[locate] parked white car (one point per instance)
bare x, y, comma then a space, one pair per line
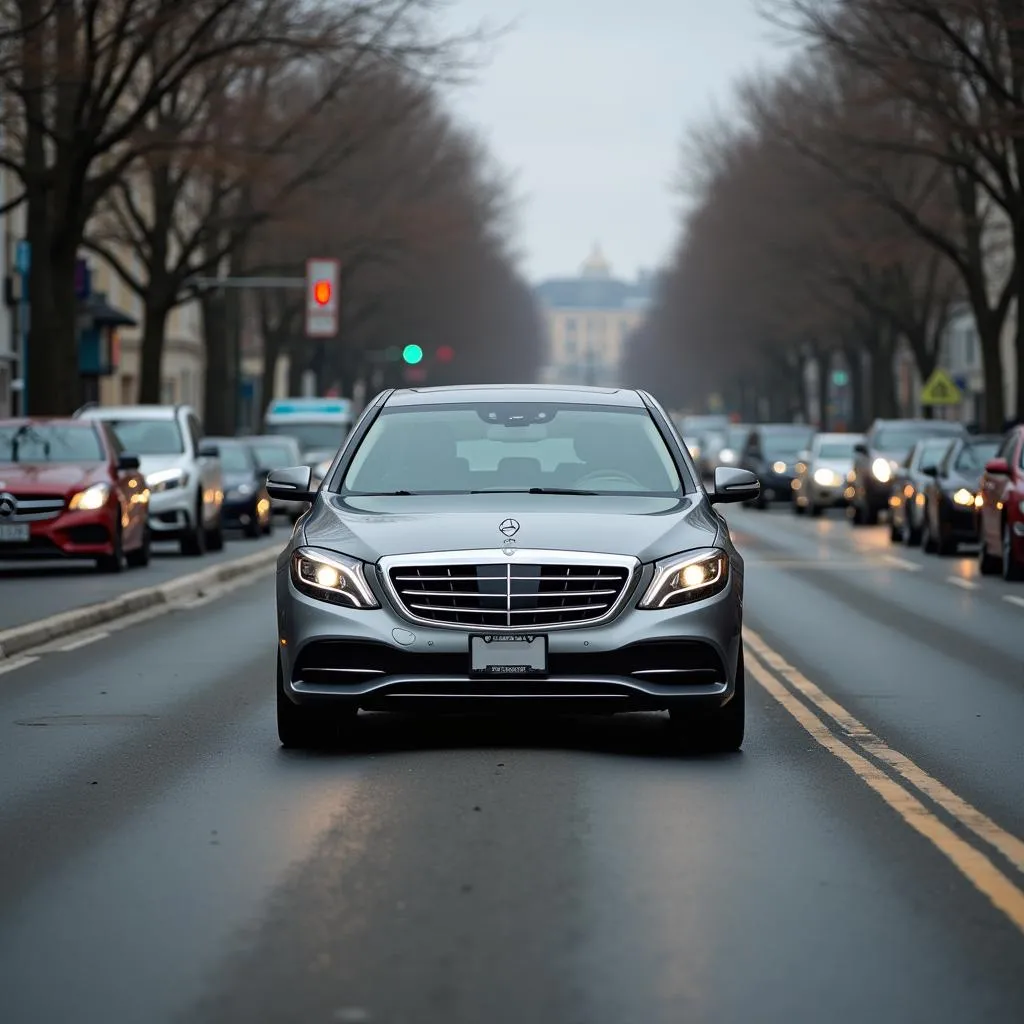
182, 472
821, 474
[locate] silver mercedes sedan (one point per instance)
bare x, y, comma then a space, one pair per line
511, 547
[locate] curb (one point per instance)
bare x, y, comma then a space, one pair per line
33, 634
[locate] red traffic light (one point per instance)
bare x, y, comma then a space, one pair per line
445, 354
322, 292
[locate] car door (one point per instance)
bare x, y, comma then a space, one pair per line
210, 473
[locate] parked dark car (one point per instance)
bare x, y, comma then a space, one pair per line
952, 495
887, 444
771, 453
911, 477
246, 502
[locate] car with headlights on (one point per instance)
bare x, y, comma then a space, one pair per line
246, 504
182, 471
821, 472
511, 547
1001, 512
886, 444
278, 451
952, 494
907, 498
69, 490
771, 453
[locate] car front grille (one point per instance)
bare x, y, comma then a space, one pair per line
30, 508
513, 594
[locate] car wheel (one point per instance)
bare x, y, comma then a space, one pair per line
798, 509
943, 545
911, 533
1012, 569
215, 537
870, 516
988, 565
719, 732
929, 544
139, 558
194, 542
815, 511
308, 728
896, 532
114, 562
253, 529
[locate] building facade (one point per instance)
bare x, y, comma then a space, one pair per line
588, 320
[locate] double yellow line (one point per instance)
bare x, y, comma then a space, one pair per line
855, 745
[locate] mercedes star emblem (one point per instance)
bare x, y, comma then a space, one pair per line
7, 505
509, 527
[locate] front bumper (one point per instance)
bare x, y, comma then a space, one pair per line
777, 486
957, 522
172, 513
239, 512
71, 535
378, 660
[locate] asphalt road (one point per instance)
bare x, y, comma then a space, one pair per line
164, 860
35, 590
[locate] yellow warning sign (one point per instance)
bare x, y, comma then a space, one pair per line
941, 390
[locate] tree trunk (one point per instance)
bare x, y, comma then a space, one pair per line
883, 378
154, 333
994, 404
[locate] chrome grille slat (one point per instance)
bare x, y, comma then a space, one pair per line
35, 508
546, 589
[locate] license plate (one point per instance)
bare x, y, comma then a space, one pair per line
508, 655
12, 533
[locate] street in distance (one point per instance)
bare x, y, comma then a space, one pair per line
526, 547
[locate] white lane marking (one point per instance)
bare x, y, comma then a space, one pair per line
958, 581
902, 563
15, 663
75, 644
1014, 599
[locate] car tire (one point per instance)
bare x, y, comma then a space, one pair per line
718, 732
943, 545
856, 515
114, 562
305, 728
911, 533
139, 558
1013, 571
798, 509
254, 529
193, 543
215, 537
816, 511
988, 565
896, 533
929, 544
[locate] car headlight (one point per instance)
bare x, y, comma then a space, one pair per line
963, 497
328, 576
727, 456
827, 478
778, 467
167, 479
881, 469
691, 576
91, 498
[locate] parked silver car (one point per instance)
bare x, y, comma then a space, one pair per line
821, 474
483, 547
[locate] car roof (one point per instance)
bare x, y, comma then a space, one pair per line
132, 412
469, 393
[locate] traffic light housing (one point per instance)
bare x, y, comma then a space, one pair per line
322, 298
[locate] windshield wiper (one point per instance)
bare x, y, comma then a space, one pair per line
535, 490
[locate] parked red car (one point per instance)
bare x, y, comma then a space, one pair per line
67, 489
1001, 522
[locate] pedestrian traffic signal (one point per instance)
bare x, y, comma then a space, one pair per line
445, 354
412, 354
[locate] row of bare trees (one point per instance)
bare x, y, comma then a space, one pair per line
184, 140
856, 202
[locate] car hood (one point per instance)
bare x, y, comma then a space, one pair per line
154, 463
649, 528
49, 477
840, 466
237, 479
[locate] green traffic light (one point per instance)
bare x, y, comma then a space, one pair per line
412, 354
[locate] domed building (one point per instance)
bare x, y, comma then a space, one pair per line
588, 320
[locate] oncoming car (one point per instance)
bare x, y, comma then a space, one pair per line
501, 547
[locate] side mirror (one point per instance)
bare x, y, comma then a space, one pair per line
128, 464
860, 449
732, 485
293, 484
208, 450
997, 467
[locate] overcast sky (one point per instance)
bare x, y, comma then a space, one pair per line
587, 102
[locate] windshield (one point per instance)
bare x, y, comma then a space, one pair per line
235, 458
931, 451
274, 456
312, 436
972, 457
31, 443
837, 449
149, 437
737, 437
787, 442
513, 446
902, 439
